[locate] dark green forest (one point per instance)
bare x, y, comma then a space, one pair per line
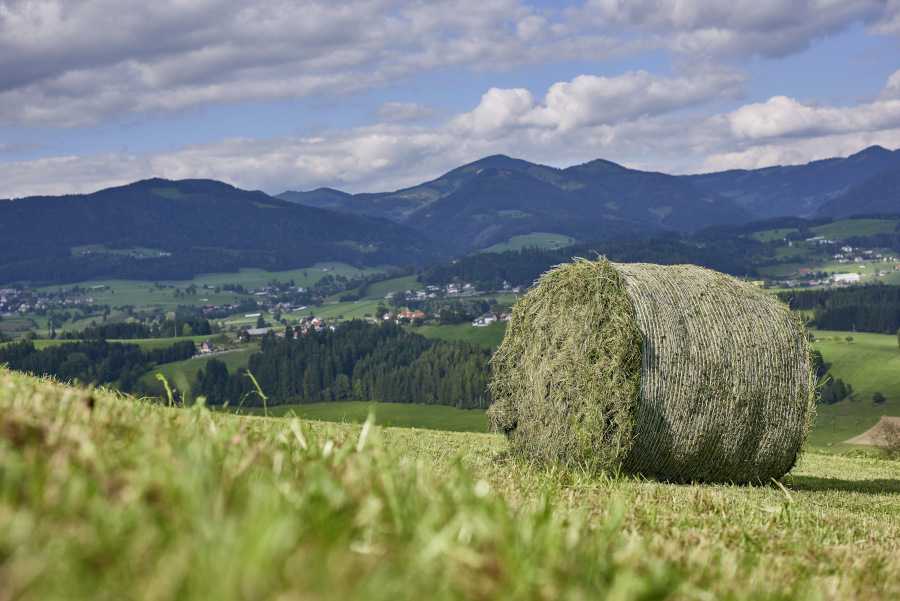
136, 330
488, 271
92, 361
207, 227
862, 309
359, 361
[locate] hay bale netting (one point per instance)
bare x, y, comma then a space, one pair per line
674, 372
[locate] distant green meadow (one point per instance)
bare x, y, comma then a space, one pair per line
870, 362
535, 239
181, 374
401, 415
488, 336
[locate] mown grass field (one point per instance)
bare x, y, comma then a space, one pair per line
103, 497
844, 420
430, 417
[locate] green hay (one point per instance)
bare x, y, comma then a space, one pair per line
567, 375
674, 372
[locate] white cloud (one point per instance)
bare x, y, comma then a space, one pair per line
769, 28
392, 112
786, 117
74, 64
571, 123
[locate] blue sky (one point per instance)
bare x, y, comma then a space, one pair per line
375, 95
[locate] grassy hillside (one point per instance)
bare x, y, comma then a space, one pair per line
105, 497
489, 336
871, 362
536, 239
205, 226
181, 373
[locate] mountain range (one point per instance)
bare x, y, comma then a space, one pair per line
205, 225
495, 198
211, 226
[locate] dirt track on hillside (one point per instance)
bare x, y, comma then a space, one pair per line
873, 435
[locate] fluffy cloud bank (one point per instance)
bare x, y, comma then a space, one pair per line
75, 64
576, 120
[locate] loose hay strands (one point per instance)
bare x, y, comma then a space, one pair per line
673, 372
567, 375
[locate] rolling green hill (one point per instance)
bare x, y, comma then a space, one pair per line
496, 198
204, 226
877, 195
592, 201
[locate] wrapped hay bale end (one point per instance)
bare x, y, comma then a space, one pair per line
674, 372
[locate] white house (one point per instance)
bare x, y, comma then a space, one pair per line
846, 278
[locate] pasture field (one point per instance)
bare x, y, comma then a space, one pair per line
844, 420
180, 374
379, 290
777, 234
855, 227
99, 248
400, 415
144, 342
488, 336
870, 362
535, 239
105, 497
142, 294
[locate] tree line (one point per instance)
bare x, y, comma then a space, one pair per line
359, 361
488, 271
169, 328
93, 361
862, 309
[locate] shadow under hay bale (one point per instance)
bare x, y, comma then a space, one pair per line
674, 372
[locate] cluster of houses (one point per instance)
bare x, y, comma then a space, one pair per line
13, 301
490, 318
304, 325
453, 289
404, 316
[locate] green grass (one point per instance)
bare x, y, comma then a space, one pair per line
181, 373
777, 234
99, 248
430, 417
144, 342
379, 290
871, 362
142, 294
489, 336
538, 239
855, 227
846, 419
103, 497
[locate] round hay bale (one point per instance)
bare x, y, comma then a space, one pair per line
673, 372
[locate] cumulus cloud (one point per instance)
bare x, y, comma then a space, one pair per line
73, 64
389, 156
68, 64
588, 101
786, 117
391, 112
769, 28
